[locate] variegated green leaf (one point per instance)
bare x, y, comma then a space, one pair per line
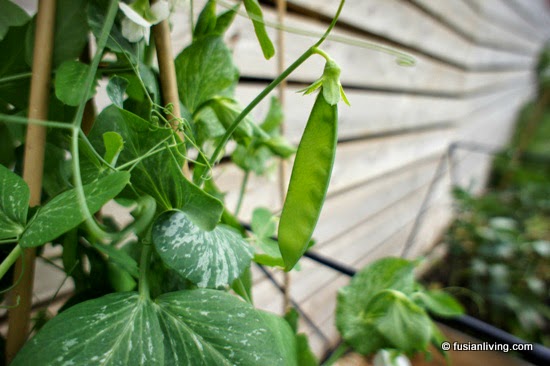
207, 258
63, 212
194, 328
14, 203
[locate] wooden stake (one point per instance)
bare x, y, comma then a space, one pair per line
167, 72
283, 173
33, 167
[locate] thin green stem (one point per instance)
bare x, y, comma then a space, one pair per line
322, 53
9, 241
105, 31
241, 192
242, 291
143, 267
7, 79
25, 121
101, 43
191, 17
336, 355
10, 260
331, 26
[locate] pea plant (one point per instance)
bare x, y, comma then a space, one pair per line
156, 291
385, 311
173, 286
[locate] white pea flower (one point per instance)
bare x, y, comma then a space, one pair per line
140, 17
390, 358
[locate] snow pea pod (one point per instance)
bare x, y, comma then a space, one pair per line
309, 181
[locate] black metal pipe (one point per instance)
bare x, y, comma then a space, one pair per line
540, 355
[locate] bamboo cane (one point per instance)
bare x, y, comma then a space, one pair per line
33, 166
167, 73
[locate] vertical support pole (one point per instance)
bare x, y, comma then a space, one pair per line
167, 72
33, 167
283, 169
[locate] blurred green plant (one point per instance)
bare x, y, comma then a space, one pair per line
499, 244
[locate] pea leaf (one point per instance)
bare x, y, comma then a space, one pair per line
113, 146
159, 174
71, 32
439, 302
263, 223
399, 321
12, 62
115, 90
263, 226
69, 82
200, 327
63, 212
119, 257
387, 273
14, 203
274, 117
255, 13
304, 354
207, 258
11, 16
226, 111
204, 69
225, 19
206, 23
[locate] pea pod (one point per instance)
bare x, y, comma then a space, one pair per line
309, 181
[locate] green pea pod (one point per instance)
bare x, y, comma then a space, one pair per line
309, 181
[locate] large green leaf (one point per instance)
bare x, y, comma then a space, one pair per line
71, 32
387, 273
208, 258
11, 15
14, 203
70, 79
63, 212
195, 328
159, 174
204, 69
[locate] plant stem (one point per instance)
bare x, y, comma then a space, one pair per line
242, 291
10, 260
143, 266
269, 88
33, 168
283, 168
88, 118
336, 355
77, 121
242, 191
33, 121
7, 79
